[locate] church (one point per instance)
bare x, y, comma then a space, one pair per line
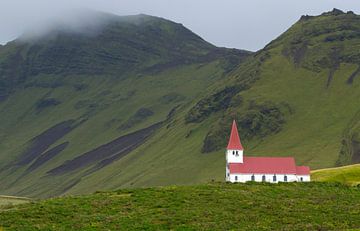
240, 168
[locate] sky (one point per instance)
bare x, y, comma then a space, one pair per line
242, 24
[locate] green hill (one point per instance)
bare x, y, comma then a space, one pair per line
298, 206
347, 175
142, 101
74, 103
301, 101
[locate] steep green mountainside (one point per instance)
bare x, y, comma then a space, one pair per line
289, 100
290, 206
285, 105
299, 96
73, 103
82, 112
117, 46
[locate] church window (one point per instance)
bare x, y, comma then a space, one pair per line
263, 178
252, 178
274, 178
236, 178
237, 153
285, 178
301, 179
233, 152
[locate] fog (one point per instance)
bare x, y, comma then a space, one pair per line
81, 21
243, 24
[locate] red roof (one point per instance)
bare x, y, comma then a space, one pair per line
265, 165
234, 141
302, 170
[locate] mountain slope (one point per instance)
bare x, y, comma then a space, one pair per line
72, 103
302, 98
284, 107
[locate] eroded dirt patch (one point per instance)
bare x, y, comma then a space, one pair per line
42, 142
356, 151
107, 153
47, 156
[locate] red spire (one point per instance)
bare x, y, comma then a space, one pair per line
234, 141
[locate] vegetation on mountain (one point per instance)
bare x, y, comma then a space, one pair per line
73, 103
255, 121
306, 74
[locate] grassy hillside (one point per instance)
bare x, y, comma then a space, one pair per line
323, 73
143, 101
347, 175
296, 206
72, 103
284, 107
296, 97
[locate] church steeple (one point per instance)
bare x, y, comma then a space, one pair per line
234, 150
234, 141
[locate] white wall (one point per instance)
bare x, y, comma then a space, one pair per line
306, 178
268, 178
233, 158
227, 173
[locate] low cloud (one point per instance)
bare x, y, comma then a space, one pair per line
86, 22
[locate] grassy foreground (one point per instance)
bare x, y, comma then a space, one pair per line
347, 175
307, 206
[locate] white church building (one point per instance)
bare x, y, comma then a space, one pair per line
240, 168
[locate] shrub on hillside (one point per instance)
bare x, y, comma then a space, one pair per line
171, 98
259, 120
139, 116
45, 103
213, 103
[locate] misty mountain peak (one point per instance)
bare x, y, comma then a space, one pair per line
81, 22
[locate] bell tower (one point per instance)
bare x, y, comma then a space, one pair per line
234, 150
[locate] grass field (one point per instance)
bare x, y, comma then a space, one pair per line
216, 206
348, 174
9, 201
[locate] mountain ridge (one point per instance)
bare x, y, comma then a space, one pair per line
69, 109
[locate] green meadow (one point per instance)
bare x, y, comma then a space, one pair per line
215, 206
347, 175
